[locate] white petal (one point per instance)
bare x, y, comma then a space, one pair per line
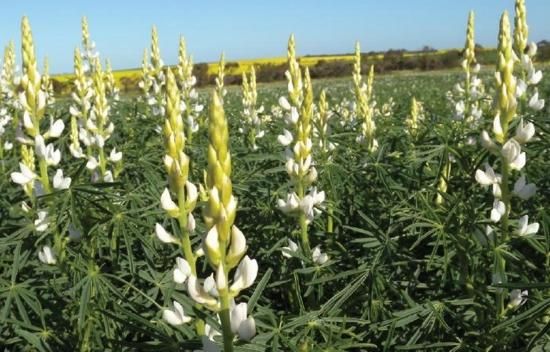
245, 274
247, 329
238, 315
283, 102
164, 235
56, 129
167, 204
286, 138
182, 270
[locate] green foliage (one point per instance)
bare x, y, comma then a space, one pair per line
403, 274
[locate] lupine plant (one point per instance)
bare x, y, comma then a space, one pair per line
189, 96
364, 103
511, 159
303, 200
37, 155
253, 127
415, 255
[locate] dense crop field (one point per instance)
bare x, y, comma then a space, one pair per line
362, 213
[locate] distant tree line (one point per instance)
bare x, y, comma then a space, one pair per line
392, 60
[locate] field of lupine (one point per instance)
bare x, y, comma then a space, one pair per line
401, 212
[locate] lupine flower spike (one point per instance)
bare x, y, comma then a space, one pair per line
507, 147
303, 200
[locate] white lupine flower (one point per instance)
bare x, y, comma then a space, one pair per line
511, 151
517, 298
60, 182
524, 133
497, 191
192, 194
48, 153
310, 201
487, 177
240, 324
459, 110
533, 76
291, 204
238, 243
182, 270
191, 223
476, 113
286, 138
175, 316
108, 177
115, 156
199, 294
487, 142
92, 163
524, 228
291, 248
245, 274
293, 116
8, 145
25, 176
210, 284
283, 102
521, 88
164, 235
76, 151
73, 110
319, 257
312, 175
56, 129
27, 121
47, 256
41, 224
221, 280
211, 242
535, 103
499, 208
168, 204
524, 190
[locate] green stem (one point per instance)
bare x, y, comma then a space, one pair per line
188, 250
2, 166
226, 322
185, 238
44, 176
304, 236
225, 302
102, 163
500, 264
330, 220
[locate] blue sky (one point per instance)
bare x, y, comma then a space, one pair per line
251, 29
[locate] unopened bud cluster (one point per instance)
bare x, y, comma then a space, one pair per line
416, 115
364, 103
